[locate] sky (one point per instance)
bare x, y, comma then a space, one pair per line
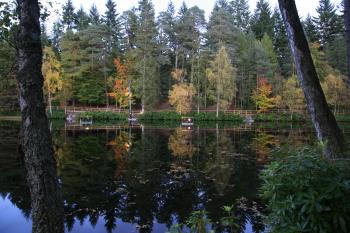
304, 6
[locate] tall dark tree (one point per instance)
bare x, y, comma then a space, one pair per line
262, 21
221, 30
36, 138
82, 19
146, 41
241, 14
310, 29
111, 18
168, 46
189, 27
347, 33
129, 22
281, 46
323, 120
327, 21
94, 16
68, 15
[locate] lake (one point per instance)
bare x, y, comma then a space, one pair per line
147, 178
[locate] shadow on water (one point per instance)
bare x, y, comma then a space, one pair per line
147, 179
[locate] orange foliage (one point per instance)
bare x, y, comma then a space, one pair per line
120, 88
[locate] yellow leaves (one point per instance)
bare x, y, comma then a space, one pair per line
178, 75
51, 71
293, 96
335, 90
180, 143
262, 96
181, 97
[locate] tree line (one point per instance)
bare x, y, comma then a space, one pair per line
238, 59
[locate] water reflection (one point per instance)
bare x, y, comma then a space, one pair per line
148, 180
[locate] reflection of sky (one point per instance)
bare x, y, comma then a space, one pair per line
11, 219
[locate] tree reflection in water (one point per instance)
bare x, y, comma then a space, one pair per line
141, 178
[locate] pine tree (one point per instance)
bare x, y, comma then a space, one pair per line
168, 46
310, 29
190, 23
267, 44
57, 33
82, 20
241, 14
111, 18
129, 20
221, 30
146, 41
281, 46
327, 21
221, 76
68, 15
94, 16
262, 21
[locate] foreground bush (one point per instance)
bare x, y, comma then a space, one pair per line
307, 193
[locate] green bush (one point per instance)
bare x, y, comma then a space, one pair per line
343, 118
307, 193
282, 117
9, 113
202, 116
105, 116
56, 114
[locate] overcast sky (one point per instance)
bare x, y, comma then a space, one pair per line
304, 6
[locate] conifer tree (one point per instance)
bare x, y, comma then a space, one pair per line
310, 30
281, 46
328, 23
111, 18
241, 14
68, 15
262, 21
146, 41
94, 15
82, 20
221, 29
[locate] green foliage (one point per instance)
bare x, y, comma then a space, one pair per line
106, 116
198, 222
281, 117
202, 116
307, 193
57, 115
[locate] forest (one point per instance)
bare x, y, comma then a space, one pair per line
177, 59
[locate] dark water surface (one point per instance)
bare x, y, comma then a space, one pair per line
147, 178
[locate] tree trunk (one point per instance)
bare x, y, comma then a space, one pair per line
46, 202
347, 33
323, 120
143, 84
217, 104
50, 104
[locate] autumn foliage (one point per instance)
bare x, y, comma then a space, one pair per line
120, 89
262, 96
181, 97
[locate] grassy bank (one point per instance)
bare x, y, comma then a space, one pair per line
162, 116
279, 117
